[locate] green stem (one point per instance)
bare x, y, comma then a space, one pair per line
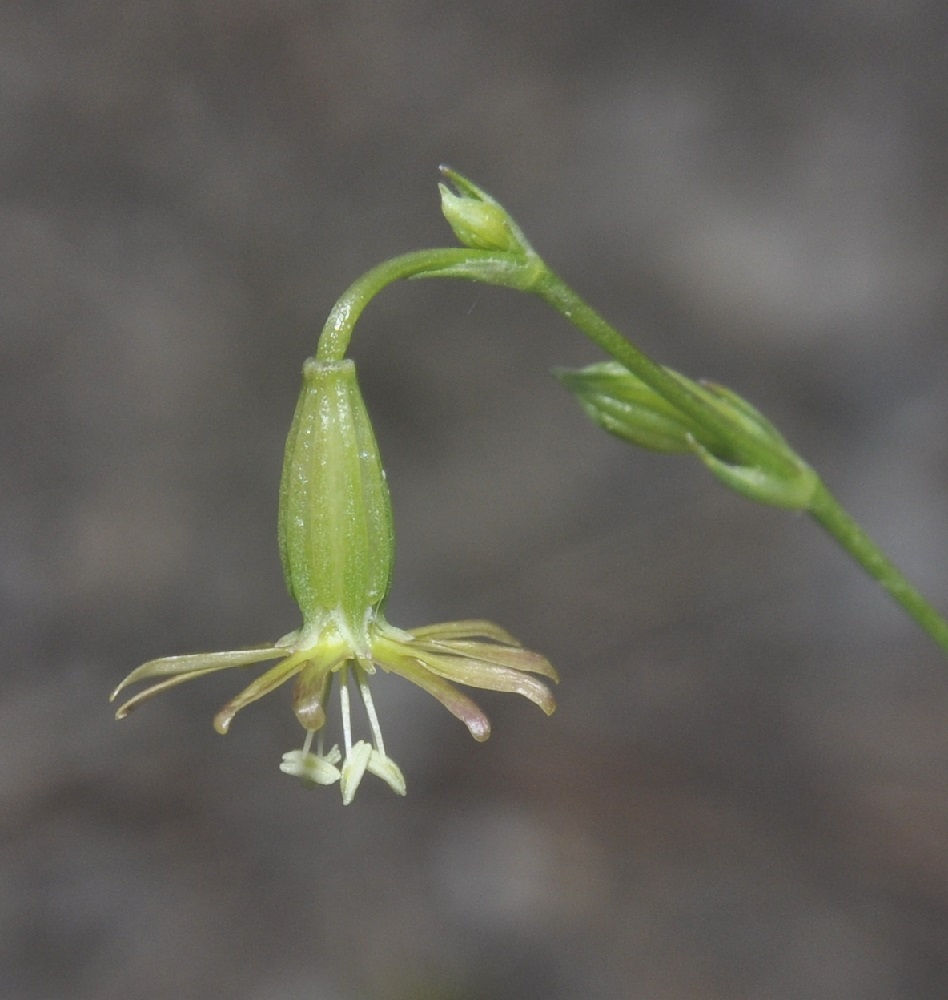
528, 273
826, 510
475, 265
823, 506
556, 293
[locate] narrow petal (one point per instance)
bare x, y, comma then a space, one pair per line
197, 664
264, 684
478, 673
517, 658
312, 691
457, 703
150, 692
472, 629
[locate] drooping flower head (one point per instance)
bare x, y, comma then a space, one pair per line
337, 550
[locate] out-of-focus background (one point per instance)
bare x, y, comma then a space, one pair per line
743, 792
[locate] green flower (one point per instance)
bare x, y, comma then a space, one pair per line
337, 547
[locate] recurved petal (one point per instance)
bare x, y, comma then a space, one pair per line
457, 703
197, 664
150, 692
264, 684
475, 628
515, 657
491, 677
311, 691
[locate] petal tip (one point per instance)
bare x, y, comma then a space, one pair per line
479, 729
222, 720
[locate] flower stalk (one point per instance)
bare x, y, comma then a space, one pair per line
724, 431
335, 522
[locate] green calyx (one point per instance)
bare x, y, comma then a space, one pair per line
478, 220
477, 224
335, 525
623, 404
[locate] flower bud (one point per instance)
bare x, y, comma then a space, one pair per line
477, 224
335, 525
621, 403
625, 406
478, 220
783, 479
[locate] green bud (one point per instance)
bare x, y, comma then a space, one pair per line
750, 420
335, 525
625, 406
788, 482
782, 480
478, 220
477, 224
621, 403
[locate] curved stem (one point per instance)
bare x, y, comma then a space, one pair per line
528, 273
456, 262
826, 510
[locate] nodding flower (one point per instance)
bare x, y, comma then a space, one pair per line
337, 549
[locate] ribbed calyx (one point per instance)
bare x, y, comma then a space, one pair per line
335, 525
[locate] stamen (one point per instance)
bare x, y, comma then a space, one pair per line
370, 709
308, 742
321, 741
344, 701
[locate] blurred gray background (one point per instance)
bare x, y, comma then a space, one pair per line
743, 792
